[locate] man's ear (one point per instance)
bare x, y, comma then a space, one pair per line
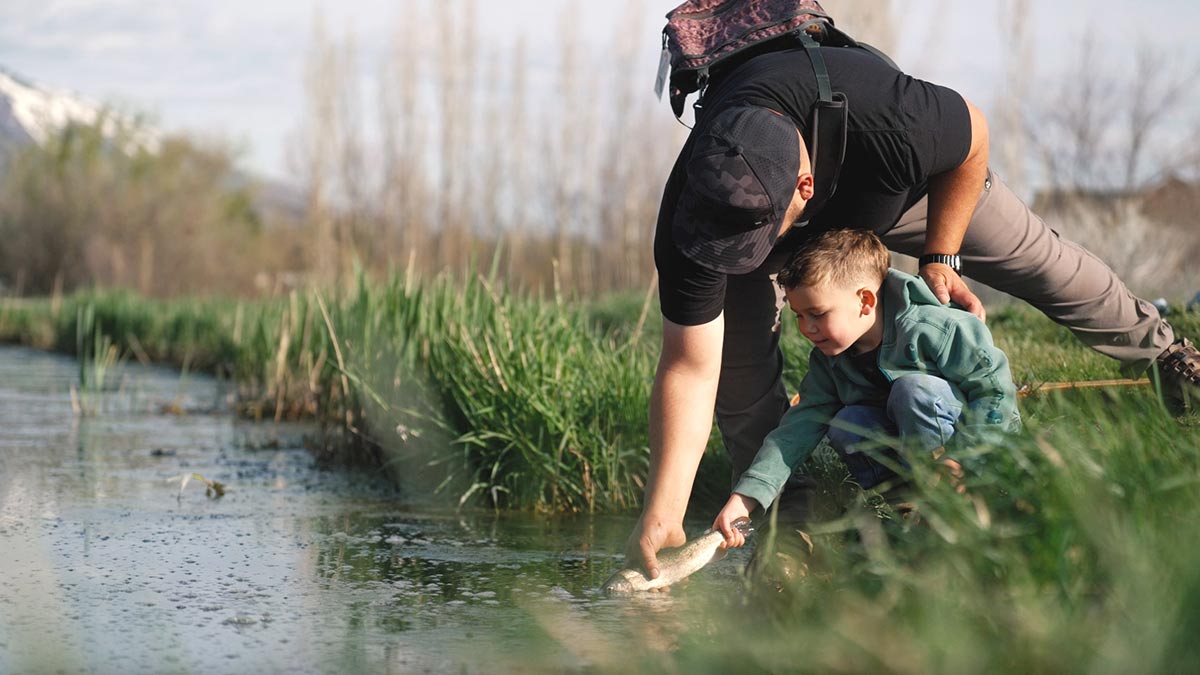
805, 185
869, 300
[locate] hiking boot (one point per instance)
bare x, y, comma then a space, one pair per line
1178, 371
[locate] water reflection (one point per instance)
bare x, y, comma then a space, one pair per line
107, 568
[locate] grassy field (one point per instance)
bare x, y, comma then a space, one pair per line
1069, 551
494, 397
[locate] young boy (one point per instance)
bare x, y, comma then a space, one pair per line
888, 359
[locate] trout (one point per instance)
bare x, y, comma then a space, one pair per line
676, 564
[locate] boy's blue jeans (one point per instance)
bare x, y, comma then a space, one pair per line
921, 412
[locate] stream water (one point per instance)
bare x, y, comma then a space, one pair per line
107, 566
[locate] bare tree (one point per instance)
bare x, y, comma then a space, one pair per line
314, 149
1098, 124
354, 216
516, 133
488, 161
91, 208
404, 192
570, 183
564, 149
1157, 90
1008, 137
1074, 124
450, 119
1096, 130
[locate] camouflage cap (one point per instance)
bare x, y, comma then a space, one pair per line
741, 178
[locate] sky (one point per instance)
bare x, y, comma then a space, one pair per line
234, 69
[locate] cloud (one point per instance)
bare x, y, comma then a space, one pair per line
232, 61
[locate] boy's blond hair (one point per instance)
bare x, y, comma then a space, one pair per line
837, 258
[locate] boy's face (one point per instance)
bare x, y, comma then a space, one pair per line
834, 318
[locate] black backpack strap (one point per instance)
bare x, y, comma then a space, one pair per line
813, 49
827, 130
878, 53
826, 149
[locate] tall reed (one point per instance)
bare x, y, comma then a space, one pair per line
541, 410
492, 395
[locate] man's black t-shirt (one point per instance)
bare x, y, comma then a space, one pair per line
900, 131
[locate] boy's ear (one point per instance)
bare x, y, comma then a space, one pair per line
868, 299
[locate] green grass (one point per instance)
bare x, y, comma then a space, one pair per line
100, 364
537, 407
490, 395
493, 397
1071, 551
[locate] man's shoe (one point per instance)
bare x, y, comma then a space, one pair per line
1178, 371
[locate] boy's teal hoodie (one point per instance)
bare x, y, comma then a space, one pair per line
920, 335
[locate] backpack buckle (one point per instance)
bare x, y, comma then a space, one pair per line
701, 90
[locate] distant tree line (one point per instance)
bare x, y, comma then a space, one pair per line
95, 206
465, 162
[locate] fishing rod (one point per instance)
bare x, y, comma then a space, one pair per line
1031, 389
1044, 387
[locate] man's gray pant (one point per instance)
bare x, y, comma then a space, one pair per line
1007, 247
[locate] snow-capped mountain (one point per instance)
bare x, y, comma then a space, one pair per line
31, 113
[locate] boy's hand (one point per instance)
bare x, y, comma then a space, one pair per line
738, 506
952, 469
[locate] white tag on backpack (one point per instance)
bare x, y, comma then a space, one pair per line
664, 65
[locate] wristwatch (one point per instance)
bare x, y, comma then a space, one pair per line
951, 261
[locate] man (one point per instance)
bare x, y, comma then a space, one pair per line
915, 172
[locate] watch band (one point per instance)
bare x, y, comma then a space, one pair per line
951, 261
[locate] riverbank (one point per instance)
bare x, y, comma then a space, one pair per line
1068, 552
495, 397
488, 395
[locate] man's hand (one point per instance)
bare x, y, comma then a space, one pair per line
681, 414
738, 506
949, 287
952, 199
649, 537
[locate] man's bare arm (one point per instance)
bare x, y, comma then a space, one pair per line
952, 198
681, 413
